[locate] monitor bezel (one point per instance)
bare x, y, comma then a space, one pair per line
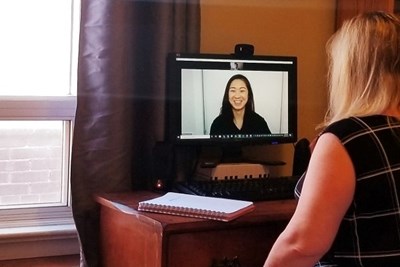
176, 63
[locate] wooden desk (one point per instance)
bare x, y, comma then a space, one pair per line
142, 239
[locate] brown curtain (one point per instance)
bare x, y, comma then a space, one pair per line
121, 92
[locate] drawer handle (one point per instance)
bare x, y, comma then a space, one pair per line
227, 262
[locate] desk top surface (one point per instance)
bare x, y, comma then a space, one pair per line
127, 203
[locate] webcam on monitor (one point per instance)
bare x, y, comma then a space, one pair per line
244, 50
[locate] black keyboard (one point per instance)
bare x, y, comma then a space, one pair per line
251, 189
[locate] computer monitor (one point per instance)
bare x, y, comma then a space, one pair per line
196, 86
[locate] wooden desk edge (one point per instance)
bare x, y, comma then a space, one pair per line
280, 210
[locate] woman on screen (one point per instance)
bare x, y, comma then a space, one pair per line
237, 114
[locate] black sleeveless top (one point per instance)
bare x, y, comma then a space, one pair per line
369, 234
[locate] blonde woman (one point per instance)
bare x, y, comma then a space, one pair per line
350, 199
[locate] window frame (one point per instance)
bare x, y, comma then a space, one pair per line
42, 108
60, 108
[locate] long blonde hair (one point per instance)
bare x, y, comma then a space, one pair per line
364, 66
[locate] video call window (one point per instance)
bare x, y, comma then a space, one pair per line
203, 90
196, 88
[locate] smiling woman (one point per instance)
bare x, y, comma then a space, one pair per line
237, 114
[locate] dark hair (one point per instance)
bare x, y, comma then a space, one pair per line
226, 109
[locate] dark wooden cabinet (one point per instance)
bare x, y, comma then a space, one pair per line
349, 8
133, 238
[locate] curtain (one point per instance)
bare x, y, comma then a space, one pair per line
121, 99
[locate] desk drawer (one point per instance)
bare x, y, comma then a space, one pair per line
204, 248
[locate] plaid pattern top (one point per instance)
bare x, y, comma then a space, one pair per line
369, 234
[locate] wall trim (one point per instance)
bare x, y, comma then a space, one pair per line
41, 241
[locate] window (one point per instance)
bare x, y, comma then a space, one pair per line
38, 67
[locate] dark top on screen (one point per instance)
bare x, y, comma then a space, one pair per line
252, 124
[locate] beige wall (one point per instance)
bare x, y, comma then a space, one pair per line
277, 27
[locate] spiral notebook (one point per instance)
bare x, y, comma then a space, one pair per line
221, 209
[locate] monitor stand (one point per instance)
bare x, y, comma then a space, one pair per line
230, 171
231, 164
234, 154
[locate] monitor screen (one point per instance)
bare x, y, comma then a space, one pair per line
208, 92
